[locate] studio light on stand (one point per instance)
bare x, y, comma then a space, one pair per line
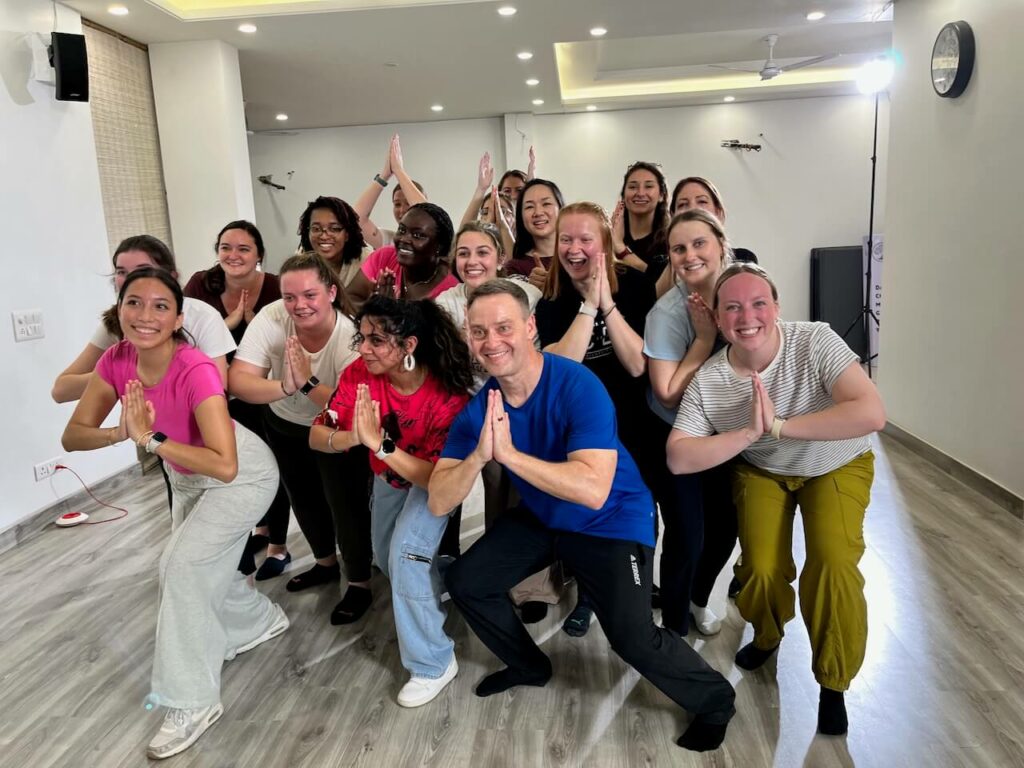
873, 78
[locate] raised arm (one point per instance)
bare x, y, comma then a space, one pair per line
484, 181
412, 192
364, 204
71, 383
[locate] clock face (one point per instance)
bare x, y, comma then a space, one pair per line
952, 59
945, 60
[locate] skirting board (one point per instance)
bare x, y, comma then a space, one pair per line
105, 489
988, 488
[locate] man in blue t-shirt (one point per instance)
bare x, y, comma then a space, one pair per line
551, 424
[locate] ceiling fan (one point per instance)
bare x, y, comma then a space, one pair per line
771, 68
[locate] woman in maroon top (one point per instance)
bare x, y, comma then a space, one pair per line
236, 288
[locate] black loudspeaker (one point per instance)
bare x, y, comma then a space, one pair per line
68, 57
837, 292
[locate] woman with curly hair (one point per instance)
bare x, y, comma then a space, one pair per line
329, 227
397, 400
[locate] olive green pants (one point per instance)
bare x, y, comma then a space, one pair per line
831, 585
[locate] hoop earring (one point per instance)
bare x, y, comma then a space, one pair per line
409, 362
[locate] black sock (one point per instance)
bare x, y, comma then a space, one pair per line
703, 737
751, 657
533, 611
355, 602
832, 719
509, 678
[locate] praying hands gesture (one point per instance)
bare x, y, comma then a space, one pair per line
485, 175
702, 318
385, 284
137, 414
762, 410
297, 364
495, 436
240, 312
366, 419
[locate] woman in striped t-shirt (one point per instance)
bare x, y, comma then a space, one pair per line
792, 401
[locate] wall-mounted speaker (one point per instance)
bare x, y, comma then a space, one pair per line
68, 57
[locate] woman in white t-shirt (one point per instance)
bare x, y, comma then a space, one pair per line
202, 322
792, 402
290, 359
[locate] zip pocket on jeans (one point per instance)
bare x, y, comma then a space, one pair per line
416, 558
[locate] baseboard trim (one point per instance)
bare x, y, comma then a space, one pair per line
35, 524
987, 487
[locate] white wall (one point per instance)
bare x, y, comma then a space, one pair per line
54, 256
809, 186
952, 349
197, 90
442, 155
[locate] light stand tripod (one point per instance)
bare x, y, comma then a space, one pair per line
867, 314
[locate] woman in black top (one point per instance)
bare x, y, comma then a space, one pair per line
640, 218
593, 311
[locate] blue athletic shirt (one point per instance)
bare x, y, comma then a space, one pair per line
570, 410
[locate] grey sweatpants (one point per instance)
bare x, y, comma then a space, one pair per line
207, 609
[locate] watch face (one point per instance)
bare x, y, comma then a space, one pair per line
945, 59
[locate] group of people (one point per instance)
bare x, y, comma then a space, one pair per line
593, 370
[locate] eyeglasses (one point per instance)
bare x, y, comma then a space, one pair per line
334, 229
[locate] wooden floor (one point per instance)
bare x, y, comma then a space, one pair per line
943, 684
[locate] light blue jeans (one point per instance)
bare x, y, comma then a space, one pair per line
405, 540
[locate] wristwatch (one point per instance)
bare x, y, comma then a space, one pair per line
588, 311
309, 386
155, 441
387, 447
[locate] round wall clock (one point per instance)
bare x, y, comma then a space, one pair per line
952, 59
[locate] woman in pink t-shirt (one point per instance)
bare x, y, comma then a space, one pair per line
399, 399
223, 477
416, 266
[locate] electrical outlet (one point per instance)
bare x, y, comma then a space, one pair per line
46, 469
28, 324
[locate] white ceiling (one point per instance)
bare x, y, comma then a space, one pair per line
391, 62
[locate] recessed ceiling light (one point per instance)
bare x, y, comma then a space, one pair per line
524, 55
247, 28
507, 10
598, 32
117, 10
437, 107
815, 16
729, 99
282, 116
533, 81
591, 108
538, 102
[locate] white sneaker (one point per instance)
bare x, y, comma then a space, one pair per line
280, 624
422, 690
705, 620
180, 730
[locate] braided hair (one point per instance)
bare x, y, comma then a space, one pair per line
445, 229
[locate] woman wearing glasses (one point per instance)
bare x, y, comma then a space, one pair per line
329, 227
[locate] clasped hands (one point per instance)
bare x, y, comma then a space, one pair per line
595, 289
762, 410
495, 435
137, 413
297, 366
366, 420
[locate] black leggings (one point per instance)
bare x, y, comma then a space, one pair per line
329, 493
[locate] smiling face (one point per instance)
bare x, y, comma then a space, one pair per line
476, 259
148, 313
307, 300
746, 312
643, 193
237, 253
416, 239
327, 235
500, 337
128, 261
540, 211
379, 350
695, 195
579, 243
696, 254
